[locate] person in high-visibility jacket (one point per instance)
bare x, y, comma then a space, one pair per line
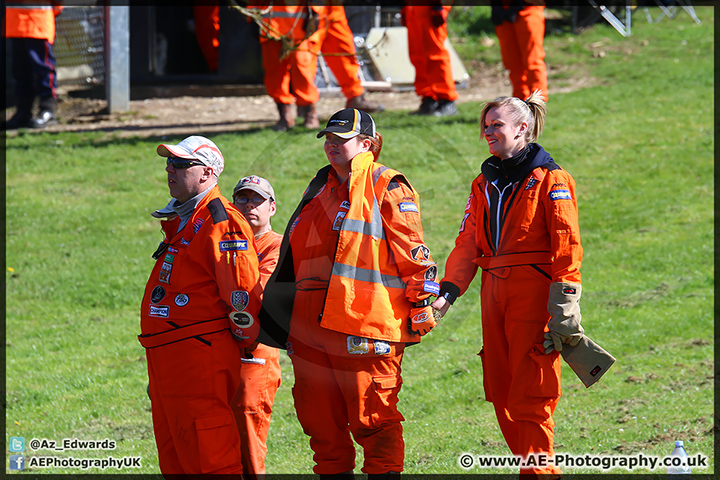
260, 367
520, 28
199, 310
29, 26
288, 38
427, 31
521, 227
352, 288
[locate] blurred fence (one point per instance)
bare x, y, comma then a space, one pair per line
79, 46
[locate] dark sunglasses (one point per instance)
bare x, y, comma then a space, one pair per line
182, 163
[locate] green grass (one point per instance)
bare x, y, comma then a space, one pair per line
639, 143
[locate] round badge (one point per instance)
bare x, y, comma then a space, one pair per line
181, 300
158, 293
242, 319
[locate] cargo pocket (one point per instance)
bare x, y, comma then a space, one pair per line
217, 442
488, 396
546, 382
383, 400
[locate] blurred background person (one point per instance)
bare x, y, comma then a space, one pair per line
288, 60
206, 16
520, 28
260, 364
29, 26
338, 49
427, 30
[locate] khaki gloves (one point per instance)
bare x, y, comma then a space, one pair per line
564, 309
422, 319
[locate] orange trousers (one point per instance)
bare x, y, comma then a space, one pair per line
519, 379
338, 48
426, 48
191, 387
207, 31
292, 77
345, 385
252, 405
521, 47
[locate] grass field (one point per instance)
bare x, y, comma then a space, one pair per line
640, 144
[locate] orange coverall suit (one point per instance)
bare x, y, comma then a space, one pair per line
260, 373
520, 29
203, 273
338, 48
346, 264
521, 227
426, 48
297, 69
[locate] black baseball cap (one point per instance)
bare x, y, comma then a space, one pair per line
349, 123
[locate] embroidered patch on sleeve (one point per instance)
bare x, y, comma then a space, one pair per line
560, 195
233, 245
408, 207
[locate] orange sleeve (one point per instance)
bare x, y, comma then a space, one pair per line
561, 212
460, 269
235, 262
268, 249
400, 211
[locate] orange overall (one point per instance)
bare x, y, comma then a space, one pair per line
203, 273
521, 47
338, 48
289, 74
426, 48
260, 373
207, 32
350, 315
523, 231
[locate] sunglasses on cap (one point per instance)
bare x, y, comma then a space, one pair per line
182, 163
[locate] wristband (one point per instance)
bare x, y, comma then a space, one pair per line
422, 303
449, 297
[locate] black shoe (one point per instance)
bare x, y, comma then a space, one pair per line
19, 120
446, 108
44, 118
427, 107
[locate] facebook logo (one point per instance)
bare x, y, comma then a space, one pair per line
17, 462
17, 444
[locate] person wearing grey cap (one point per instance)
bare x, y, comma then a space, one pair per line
260, 365
352, 288
197, 313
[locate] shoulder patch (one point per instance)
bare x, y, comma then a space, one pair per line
217, 210
560, 195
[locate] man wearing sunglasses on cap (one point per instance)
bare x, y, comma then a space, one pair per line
198, 313
260, 367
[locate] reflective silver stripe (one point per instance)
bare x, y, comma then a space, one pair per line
284, 15
365, 275
29, 7
374, 229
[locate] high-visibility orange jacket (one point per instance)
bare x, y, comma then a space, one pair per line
31, 19
285, 19
206, 271
381, 263
537, 225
